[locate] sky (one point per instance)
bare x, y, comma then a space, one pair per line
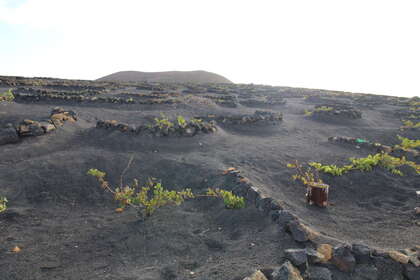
370, 46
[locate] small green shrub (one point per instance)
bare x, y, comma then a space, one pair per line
96, 173
150, 197
407, 124
196, 121
163, 122
308, 113
230, 200
324, 109
367, 164
308, 176
3, 204
330, 169
407, 144
182, 122
7, 96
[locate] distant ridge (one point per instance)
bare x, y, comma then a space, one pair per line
197, 77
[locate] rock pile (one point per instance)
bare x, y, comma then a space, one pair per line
11, 134
270, 100
258, 117
410, 154
8, 135
317, 258
35, 97
334, 112
190, 128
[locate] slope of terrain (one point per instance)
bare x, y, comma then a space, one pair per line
66, 225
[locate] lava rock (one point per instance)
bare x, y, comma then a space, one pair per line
362, 253
388, 269
252, 194
47, 126
283, 218
298, 257
343, 258
318, 273
257, 275
30, 128
266, 204
326, 250
314, 256
399, 257
300, 232
365, 272
286, 272
8, 135
412, 272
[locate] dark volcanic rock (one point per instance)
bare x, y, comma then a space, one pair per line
361, 253
365, 272
300, 232
283, 217
412, 272
343, 258
296, 256
257, 275
8, 135
30, 128
47, 126
314, 256
318, 273
286, 272
388, 269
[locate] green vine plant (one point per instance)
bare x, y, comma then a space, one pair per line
196, 121
163, 122
308, 113
152, 195
3, 204
324, 109
182, 122
308, 176
7, 96
407, 124
407, 144
367, 164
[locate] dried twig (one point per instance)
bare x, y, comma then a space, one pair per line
130, 161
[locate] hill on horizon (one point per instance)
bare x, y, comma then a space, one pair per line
198, 77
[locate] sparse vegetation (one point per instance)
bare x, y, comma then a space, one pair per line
3, 204
408, 144
163, 122
407, 124
182, 122
230, 200
308, 113
324, 109
308, 176
150, 197
7, 96
384, 160
330, 169
196, 121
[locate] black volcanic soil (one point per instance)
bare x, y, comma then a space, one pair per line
68, 229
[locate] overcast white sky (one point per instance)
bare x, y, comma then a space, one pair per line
362, 46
